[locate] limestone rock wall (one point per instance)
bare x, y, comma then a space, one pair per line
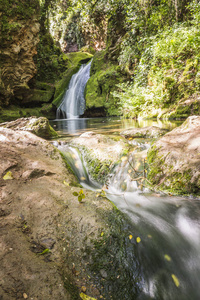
19, 38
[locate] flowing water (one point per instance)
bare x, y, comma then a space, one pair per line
73, 103
166, 229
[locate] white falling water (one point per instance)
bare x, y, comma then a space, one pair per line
73, 103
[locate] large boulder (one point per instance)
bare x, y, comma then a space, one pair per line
52, 246
174, 159
39, 126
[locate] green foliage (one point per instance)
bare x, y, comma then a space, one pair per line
168, 71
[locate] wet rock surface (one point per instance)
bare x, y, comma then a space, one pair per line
145, 132
175, 159
52, 245
100, 152
39, 126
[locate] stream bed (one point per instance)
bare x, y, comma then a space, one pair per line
166, 229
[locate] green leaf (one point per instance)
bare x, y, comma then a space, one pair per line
75, 194
79, 198
44, 252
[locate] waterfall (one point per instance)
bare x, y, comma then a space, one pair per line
73, 103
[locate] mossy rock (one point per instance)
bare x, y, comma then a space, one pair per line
38, 126
104, 78
78, 58
101, 153
174, 162
14, 112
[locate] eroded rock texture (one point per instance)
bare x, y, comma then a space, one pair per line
19, 38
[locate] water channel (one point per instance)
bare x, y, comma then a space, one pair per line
166, 228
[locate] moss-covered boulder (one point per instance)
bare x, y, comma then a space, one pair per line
105, 75
39, 126
101, 153
174, 160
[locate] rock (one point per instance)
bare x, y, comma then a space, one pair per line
39, 213
103, 273
39, 126
174, 159
145, 132
19, 41
100, 152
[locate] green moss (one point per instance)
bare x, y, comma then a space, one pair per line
103, 80
98, 170
164, 177
13, 12
15, 112
115, 239
78, 58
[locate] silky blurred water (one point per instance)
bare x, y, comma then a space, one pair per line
166, 229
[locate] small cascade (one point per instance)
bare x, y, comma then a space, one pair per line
165, 238
73, 103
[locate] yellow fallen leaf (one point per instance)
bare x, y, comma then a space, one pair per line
25, 295
66, 183
130, 237
83, 178
167, 257
176, 281
97, 195
85, 297
102, 233
129, 171
138, 239
130, 138
8, 176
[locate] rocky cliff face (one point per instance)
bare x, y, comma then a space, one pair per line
19, 38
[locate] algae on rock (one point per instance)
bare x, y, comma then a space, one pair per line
174, 160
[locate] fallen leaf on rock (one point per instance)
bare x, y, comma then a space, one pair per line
44, 252
8, 176
85, 297
167, 257
176, 281
138, 239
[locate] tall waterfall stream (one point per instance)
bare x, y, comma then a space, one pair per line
167, 229
73, 103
